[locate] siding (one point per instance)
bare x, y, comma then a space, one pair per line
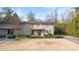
26, 28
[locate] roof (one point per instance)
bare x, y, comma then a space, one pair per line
12, 23
45, 23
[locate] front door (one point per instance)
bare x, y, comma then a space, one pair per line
10, 31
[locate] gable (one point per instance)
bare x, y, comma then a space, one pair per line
15, 21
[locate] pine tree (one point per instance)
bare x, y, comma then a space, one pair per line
31, 17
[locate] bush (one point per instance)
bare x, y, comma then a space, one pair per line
49, 35
11, 36
45, 35
59, 29
2, 36
33, 36
17, 38
58, 36
23, 35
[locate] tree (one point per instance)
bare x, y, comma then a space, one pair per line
31, 17
56, 14
58, 29
50, 18
47, 18
39, 20
7, 12
73, 26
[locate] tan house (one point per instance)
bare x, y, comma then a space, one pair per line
39, 28
15, 26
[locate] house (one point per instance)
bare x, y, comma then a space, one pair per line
12, 26
15, 26
38, 28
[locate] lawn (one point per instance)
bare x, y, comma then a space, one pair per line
39, 45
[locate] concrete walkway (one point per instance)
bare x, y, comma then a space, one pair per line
73, 39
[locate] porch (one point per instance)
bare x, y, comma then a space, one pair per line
38, 32
9, 31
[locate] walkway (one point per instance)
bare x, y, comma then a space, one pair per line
73, 39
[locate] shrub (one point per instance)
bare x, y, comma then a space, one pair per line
27, 36
59, 29
58, 36
45, 35
49, 35
10, 36
2, 36
17, 38
23, 36
33, 36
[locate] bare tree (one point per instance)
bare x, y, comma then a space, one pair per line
47, 18
56, 14
63, 17
50, 18
71, 14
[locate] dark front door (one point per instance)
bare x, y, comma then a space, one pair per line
10, 31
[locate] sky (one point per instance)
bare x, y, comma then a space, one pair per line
40, 12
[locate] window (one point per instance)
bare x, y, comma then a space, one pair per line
47, 31
10, 31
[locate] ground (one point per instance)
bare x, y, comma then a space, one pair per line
39, 45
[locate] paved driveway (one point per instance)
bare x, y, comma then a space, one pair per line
39, 45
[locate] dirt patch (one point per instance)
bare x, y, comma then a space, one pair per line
44, 42
39, 45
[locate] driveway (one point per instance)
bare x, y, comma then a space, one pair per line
39, 45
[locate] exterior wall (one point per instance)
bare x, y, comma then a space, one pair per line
7, 26
16, 32
38, 26
3, 31
35, 33
47, 28
42, 33
26, 29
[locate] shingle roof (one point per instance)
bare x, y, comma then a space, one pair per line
47, 23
